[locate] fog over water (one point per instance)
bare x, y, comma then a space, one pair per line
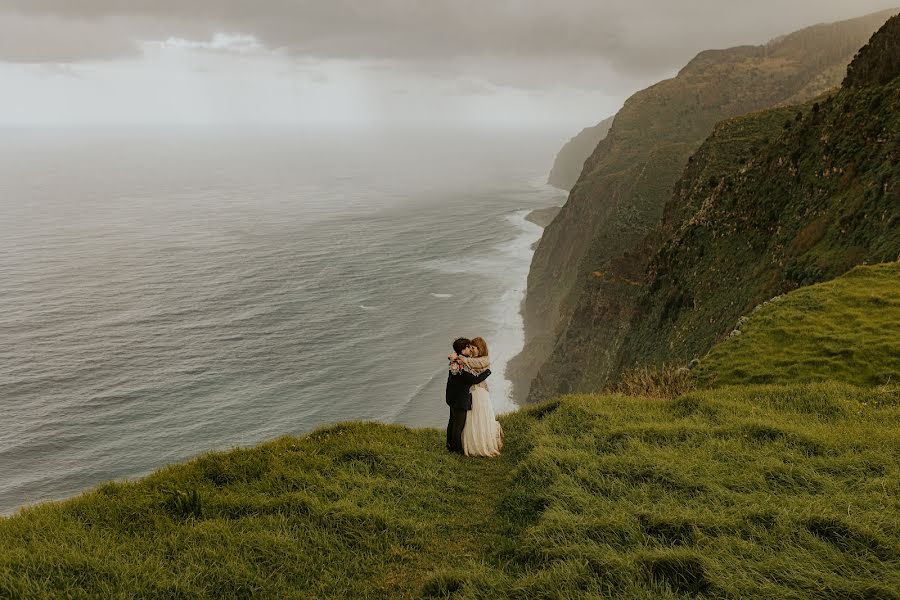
164, 294
563, 65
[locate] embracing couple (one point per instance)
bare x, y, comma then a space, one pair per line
473, 429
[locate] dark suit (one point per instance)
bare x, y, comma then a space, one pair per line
459, 399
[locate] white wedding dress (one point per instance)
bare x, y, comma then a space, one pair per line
482, 435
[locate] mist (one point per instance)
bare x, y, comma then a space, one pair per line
526, 65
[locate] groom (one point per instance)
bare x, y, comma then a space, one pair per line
459, 396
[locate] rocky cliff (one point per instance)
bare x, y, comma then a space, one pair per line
570, 160
772, 201
619, 198
878, 63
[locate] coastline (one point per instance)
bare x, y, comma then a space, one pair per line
509, 323
518, 381
542, 217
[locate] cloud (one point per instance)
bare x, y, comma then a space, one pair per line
640, 38
54, 39
220, 42
466, 86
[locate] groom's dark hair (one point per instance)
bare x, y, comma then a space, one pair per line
460, 344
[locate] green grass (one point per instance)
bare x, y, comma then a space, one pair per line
847, 329
767, 492
349, 511
761, 491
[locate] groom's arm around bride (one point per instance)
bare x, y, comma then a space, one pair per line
466, 379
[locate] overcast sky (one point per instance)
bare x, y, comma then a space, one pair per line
507, 63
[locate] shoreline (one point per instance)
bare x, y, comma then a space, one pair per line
542, 217
506, 315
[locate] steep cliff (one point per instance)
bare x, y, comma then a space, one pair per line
626, 182
878, 63
570, 160
772, 201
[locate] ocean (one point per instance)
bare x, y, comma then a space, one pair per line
168, 293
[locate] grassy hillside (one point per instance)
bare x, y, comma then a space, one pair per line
788, 492
349, 511
628, 179
847, 329
766, 492
809, 204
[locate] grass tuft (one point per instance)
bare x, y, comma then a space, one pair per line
681, 571
183, 505
664, 382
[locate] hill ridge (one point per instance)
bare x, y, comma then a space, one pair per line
606, 328
878, 62
570, 159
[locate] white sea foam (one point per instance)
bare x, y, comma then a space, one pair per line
442, 296
508, 337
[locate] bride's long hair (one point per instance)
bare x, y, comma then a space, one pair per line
481, 345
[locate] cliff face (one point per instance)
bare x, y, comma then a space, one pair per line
570, 160
571, 335
772, 201
878, 63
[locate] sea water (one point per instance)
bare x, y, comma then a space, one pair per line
167, 293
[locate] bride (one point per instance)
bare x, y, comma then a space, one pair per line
482, 434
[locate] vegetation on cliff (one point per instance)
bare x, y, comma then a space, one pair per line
626, 183
846, 329
770, 202
878, 62
810, 204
